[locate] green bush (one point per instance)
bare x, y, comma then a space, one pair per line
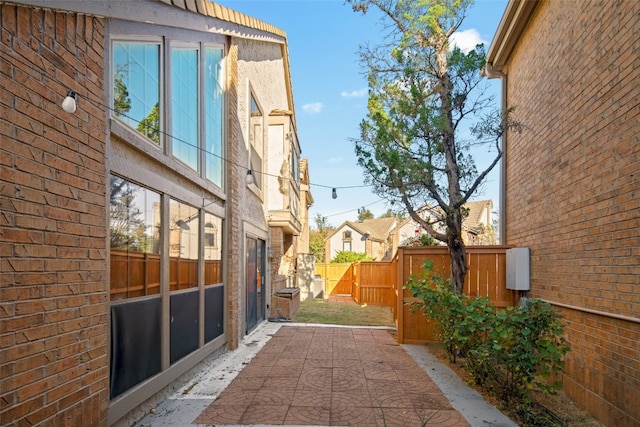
348, 256
509, 352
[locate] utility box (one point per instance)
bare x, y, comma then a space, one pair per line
518, 269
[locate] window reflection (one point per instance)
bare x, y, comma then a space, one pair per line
134, 223
184, 101
137, 86
213, 113
255, 138
212, 249
184, 224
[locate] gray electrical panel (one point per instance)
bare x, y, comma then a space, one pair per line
518, 269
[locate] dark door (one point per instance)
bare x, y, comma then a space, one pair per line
255, 269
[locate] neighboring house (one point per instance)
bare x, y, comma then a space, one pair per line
140, 233
571, 183
476, 226
374, 237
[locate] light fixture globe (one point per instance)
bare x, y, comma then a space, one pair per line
69, 103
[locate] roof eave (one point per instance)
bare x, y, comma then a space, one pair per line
513, 22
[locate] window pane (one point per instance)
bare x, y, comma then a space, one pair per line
184, 101
213, 121
136, 86
212, 249
255, 138
134, 219
183, 246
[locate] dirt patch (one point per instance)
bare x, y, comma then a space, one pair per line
548, 411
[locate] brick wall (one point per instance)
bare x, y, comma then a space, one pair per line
53, 299
235, 181
572, 188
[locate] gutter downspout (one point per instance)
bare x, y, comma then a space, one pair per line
491, 73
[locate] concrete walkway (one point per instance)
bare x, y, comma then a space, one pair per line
324, 375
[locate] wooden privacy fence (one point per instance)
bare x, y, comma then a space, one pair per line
338, 277
371, 283
382, 283
486, 276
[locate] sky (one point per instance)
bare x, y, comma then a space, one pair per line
330, 92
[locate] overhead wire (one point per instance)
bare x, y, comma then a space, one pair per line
196, 146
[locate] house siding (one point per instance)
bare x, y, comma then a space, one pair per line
55, 211
53, 247
572, 179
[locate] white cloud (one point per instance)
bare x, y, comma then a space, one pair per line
354, 93
466, 40
313, 108
334, 160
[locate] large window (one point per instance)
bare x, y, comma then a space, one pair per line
196, 128
184, 103
184, 251
136, 87
134, 220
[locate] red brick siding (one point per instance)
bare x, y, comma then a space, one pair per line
572, 188
53, 299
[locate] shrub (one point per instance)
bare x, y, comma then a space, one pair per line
348, 256
508, 352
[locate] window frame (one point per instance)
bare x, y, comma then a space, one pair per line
258, 174
173, 46
166, 45
161, 87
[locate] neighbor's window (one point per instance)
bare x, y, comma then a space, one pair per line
346, 235
212, 249
184, 105
184, 251
346, 246
136, 86
134, 230
255, 138
295, 165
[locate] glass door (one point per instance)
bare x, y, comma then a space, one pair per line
255, 273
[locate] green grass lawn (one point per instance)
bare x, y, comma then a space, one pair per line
341, 313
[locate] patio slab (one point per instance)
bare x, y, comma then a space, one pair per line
326, 375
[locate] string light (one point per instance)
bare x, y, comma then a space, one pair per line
69, 104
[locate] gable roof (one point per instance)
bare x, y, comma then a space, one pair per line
471, 222
377, 228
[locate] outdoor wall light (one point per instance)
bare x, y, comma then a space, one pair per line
334, 194
69, 103
249, 177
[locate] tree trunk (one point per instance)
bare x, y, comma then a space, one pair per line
457, 251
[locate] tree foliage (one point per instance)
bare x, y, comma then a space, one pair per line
423, 92
400, 215
349, 256
364, 214
318, 236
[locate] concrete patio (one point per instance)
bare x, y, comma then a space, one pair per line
322, 375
